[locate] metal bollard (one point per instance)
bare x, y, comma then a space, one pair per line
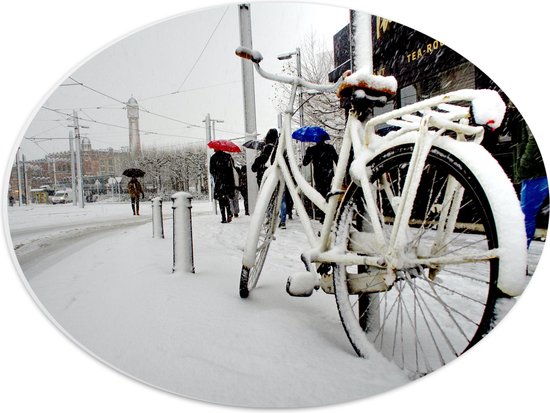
158, 224
183, 234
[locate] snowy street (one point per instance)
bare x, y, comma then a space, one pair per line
109, 285
191, 334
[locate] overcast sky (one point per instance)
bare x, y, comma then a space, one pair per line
182, 68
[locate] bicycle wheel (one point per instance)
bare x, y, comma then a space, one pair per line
251, 274
431, 313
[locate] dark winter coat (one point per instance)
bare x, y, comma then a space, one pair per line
242, 178
221, 168
528, 162
135, 189
323, 157
260, 163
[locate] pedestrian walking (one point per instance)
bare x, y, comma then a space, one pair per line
221, 168
135, 190
234, 200
260, 163
243, 187
286, 208
529, 172
323, 156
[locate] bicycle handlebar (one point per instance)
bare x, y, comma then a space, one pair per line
249, 54
256, 57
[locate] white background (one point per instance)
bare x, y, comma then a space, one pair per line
40, 368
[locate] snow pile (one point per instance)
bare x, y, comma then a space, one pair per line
190, 334
488, 108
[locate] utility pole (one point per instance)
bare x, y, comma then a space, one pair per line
214, 127
25, 182
208, 126
54, 175
249, 102
18, 166
73, 176
211, 136
361, 41
80, 181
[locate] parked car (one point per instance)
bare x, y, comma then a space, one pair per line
61, 197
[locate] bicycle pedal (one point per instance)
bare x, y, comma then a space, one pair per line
301, 284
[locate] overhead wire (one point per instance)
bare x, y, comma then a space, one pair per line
143, 109
189, 90
147, 132
189, 124
42, 132
203, 49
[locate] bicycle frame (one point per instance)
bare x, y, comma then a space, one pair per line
438, 117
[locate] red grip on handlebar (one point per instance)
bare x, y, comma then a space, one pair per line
249, 54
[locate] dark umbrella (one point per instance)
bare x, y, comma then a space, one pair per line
133, 173
310, 134
223, 145
254, 144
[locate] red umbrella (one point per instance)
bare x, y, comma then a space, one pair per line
223, 145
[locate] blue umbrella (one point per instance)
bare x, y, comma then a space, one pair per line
310, 134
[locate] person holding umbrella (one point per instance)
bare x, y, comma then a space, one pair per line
134, 190
134, 187
322, 155
221, 169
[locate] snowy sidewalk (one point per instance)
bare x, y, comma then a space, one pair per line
191, 334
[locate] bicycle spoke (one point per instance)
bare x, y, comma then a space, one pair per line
446, 305
419, 323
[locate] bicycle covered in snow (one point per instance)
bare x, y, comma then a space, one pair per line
422, 229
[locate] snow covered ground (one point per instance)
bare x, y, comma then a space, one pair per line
109, 285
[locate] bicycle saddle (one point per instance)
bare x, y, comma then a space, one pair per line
362, 84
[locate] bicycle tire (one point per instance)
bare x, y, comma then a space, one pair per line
420, 323
250, 275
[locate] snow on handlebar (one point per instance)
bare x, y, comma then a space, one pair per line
249, 54
487, 106
256, 57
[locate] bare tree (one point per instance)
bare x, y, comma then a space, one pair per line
153, 162
195, 158
319, 109
176, 170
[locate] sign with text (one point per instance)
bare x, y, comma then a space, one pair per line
407, 54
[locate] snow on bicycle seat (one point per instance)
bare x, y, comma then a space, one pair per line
374, 86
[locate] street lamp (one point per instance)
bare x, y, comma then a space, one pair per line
286, 56
311, 93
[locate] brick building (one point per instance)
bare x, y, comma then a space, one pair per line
54, 170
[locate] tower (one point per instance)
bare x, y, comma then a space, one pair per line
86, 144
133, 127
